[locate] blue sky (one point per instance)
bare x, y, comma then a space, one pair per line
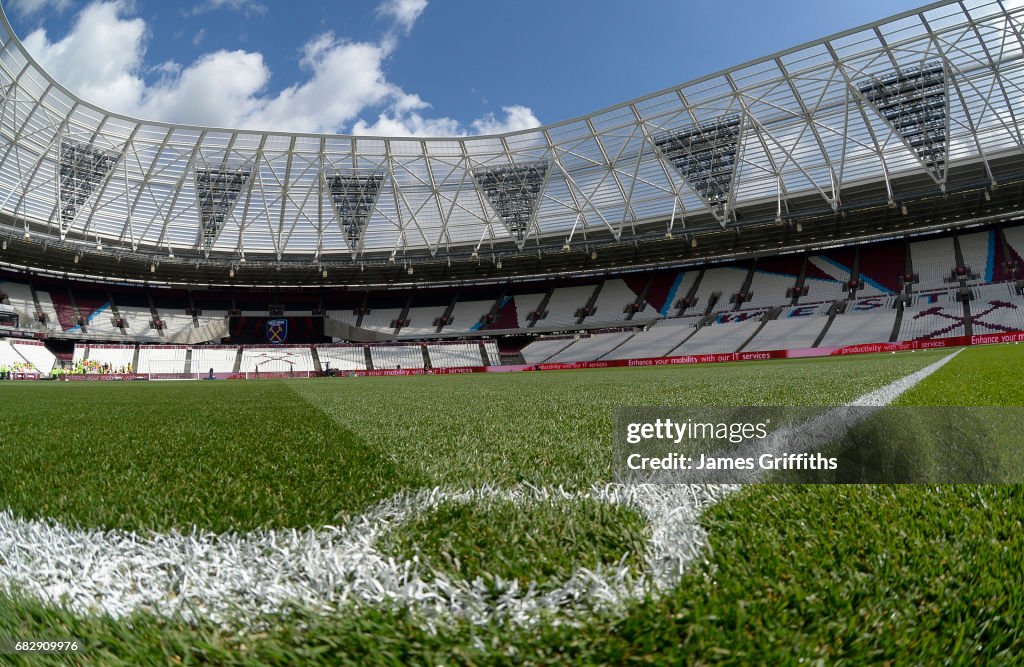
427, 67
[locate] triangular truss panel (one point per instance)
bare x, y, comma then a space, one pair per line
457, 201
217, 191
82, 168
983, 114
513, 191
654, 194
598, 197
418, 180
914, 102
836, 123
152, 194
794, 141
706, 155
354, 196
934, 93
465, 221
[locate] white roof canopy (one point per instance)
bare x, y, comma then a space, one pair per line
912, 94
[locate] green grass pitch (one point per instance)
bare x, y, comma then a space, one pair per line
861, 574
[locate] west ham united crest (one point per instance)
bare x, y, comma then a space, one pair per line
277, 331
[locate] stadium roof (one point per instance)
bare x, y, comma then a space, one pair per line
925, 102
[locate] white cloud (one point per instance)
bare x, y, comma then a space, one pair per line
413, 124
219, 89
346, 77
102, 59
30, 7
403, 12
247, 7
517, 117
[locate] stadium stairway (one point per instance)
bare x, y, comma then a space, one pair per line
968, 324
115, 314
589, 305
836, 309
447, 314
685, 339
35, 299
772, 314
541, 308
204, 334
641, 298
76, 312
155, 314
895, 335
618, 345
569, 342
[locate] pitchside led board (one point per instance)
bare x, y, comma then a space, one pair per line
277, 330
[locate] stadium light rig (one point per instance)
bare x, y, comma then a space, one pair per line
82, 168
914, 102
217, 191
354, 196
706, 156
514, 192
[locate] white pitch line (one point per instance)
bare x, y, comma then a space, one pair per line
248, 578
257, 574
813, 434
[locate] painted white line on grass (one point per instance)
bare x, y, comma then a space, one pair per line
224, 577
813, 434
248, 578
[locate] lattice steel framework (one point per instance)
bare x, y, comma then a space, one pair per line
706, 156
218, 191
917, 94
82, 168
354, 197
514, 191
915, 104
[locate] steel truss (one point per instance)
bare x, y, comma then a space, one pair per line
218, 190
918, 93
354, 197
